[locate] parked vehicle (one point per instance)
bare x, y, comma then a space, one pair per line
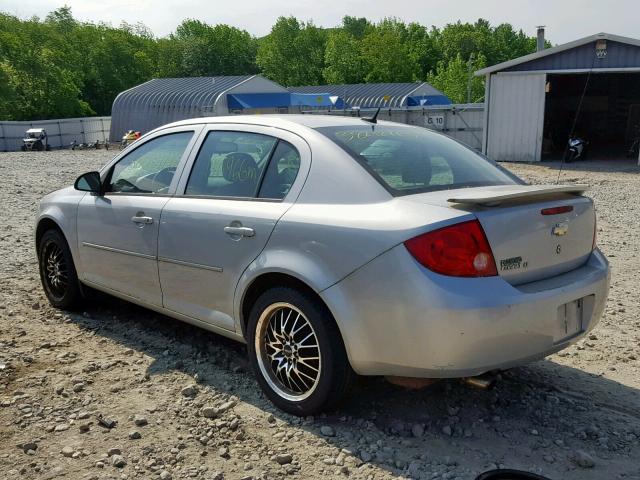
576, 149
331, 246
129, 137
35, 139
89, 145
634, 148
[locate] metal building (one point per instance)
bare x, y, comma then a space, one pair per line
373, 95
589, 87
164, 100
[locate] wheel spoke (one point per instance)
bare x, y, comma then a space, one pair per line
312, 334
308, 366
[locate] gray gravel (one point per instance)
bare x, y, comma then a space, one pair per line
186, 406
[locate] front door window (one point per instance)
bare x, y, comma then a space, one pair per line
149, 168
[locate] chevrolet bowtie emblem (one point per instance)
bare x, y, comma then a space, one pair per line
560, 229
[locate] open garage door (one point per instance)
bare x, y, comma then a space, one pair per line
608, 119
516, 116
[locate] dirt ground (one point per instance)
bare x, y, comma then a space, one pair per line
575, 415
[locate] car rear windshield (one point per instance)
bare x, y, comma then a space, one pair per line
407, 160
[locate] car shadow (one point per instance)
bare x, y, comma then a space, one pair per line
535, 418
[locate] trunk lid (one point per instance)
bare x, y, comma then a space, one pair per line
528, 245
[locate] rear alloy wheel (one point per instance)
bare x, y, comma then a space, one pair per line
57, 271
297, 352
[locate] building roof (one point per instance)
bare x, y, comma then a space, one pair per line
367, 95
183, 91
162, 100
558, 49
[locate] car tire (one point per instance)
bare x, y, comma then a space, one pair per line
58, 272
293, 330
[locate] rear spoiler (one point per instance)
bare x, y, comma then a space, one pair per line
502, 193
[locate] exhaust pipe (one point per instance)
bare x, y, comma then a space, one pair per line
481, 382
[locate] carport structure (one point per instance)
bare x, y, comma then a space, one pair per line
384, 95
164, 100
589, 87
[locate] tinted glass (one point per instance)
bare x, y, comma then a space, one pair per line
282, 171
230, 164
150, 167
410, 160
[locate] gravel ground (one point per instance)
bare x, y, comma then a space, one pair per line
187, 407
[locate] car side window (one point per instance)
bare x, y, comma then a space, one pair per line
281, 173
230, 164
150, 167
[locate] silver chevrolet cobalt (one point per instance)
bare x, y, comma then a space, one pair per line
332, 246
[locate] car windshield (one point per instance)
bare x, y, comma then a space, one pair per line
407, 160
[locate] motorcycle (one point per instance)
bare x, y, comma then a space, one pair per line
634, 149
577, 149
128, 138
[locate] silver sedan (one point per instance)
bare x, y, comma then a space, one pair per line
333, 247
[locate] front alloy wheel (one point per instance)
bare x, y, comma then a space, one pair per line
57, 274
296, 351
57, 271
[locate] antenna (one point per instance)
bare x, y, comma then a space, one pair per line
373, 119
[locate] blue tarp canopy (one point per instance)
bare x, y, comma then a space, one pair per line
426, 100
316, 100
241, 101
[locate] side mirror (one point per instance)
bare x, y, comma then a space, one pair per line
89, 182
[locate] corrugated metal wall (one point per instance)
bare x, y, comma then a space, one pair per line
59, 132
516, 117
165, 100
619, 55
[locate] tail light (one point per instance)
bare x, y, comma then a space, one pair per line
459, 250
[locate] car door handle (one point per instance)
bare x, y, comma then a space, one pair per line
142, 219
240, 231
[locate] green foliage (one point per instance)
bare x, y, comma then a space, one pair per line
455, 77
343, 59
199, 50
61, 67
293, 53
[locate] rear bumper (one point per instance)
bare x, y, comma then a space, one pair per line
398, 318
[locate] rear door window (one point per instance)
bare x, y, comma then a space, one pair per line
230, 164
282, 172
243, 165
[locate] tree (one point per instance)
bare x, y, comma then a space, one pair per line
62, 19
201, 50
343, 59
293, 53
356, 27
387, 56
453, 78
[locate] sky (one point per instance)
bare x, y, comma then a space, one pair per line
565, 20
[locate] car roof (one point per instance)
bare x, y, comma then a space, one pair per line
280, 120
